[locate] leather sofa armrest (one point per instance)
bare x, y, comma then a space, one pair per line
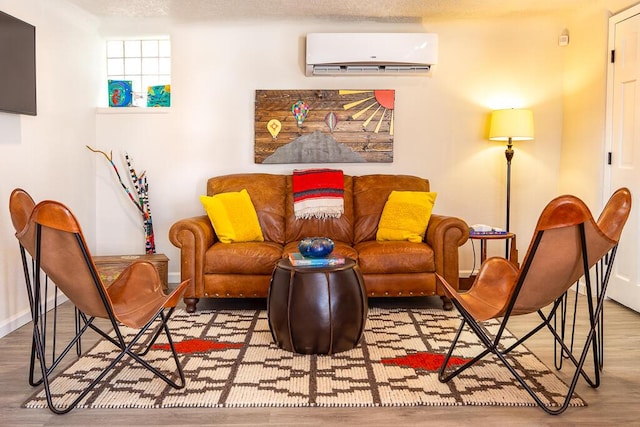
193, 236
445, 234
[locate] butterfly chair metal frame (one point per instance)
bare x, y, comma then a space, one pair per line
584, 244
561, 320
39, 303
608, 222
135, 299
21, 205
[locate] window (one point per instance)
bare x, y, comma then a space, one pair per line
144, 62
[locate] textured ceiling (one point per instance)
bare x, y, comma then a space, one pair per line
380, 10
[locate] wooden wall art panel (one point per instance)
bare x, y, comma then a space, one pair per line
324, 126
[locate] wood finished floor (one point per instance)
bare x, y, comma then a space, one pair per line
615, 402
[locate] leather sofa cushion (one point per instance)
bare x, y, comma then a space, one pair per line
336, 228
242, 258
267, 193
395, 257
370, 193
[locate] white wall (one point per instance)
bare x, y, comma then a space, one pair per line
45, 154
440, 120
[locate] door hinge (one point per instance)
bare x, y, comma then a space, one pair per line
613, 56
609, 157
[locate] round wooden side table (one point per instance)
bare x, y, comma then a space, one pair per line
317, 310
466, 282
484, 238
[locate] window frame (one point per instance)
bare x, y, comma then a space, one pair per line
145, 61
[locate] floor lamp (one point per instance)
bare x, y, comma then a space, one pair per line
510, 125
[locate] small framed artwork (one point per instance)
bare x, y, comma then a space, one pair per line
120, 93
159, 96
324, 126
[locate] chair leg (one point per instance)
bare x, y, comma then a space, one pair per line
601, 281
493, 346
566, 350
126, 350
442, 373
600, 274
596, 317
156, 334
39, 308
39, 349
560, 355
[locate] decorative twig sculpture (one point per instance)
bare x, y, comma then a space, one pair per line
142, 192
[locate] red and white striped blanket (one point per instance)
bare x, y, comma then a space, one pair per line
318, 193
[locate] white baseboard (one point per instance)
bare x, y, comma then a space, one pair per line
15, 322
23, 317
173, 277
465, 273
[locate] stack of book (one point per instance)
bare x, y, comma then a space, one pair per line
485, 230
473, 232
298, 260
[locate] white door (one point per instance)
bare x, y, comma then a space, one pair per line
623, 144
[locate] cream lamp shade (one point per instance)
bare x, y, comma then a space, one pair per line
511, 125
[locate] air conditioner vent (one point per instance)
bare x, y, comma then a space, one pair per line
360, 69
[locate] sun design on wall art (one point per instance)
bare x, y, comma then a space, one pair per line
374, 102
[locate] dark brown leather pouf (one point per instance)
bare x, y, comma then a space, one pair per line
317, 310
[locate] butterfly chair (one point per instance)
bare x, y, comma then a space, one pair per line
135, 299
566, 243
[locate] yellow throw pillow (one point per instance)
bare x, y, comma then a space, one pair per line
405, 216
233, 217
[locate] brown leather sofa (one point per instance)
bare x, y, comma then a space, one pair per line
238, 270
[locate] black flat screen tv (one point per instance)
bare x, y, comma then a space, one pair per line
17, 66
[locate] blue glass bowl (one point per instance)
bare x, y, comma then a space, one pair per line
315, 247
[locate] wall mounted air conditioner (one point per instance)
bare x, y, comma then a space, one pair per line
370, 53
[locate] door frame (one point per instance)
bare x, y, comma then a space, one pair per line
614, 21
608, 121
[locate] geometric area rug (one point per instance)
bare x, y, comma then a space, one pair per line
230, 360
